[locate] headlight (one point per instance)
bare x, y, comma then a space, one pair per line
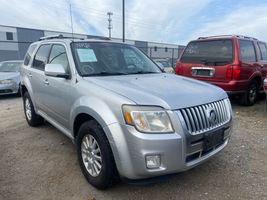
147, 119
7, 81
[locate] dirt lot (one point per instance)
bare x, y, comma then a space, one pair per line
41, 163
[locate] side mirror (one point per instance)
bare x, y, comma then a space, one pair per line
56, 70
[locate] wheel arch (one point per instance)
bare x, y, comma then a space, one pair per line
257, 77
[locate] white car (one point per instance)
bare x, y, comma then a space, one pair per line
10, 77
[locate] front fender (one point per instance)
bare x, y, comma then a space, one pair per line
106, 115
96, 108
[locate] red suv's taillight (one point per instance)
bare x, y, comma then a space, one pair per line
179, 69
233, 72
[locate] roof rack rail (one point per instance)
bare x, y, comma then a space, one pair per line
60, 36
217, 36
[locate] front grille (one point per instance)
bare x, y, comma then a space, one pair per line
205, 117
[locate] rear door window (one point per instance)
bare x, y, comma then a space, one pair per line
247, 51
263, 49
41, 56
209, 52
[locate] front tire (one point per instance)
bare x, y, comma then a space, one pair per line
95, 155
251, 94
32, 118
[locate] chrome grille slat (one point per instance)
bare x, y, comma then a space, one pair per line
191, 120
197, 121
220, 111
203, 117
224, 116
186, 120
199, 118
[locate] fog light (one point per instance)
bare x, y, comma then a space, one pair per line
153, 161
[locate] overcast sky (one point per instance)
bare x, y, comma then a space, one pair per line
170, 21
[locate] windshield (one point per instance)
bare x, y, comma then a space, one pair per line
215, 52
98, 59
10, 66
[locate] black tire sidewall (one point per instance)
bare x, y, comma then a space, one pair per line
104, 179
252, 84
35, 120
245, 99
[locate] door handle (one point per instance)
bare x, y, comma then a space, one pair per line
30, 75
46, 82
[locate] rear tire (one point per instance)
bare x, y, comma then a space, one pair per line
251, 94
95, 155
32, 118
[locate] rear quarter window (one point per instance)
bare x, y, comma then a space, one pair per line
263, 50
247, 51
29, 55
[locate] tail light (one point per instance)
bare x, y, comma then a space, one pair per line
179, 69
265, 88
233, 72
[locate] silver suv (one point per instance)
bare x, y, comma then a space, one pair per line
126, 117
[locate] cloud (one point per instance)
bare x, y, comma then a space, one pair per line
249, 21
169, 21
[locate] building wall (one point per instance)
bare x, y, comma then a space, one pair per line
23, 37
8, 48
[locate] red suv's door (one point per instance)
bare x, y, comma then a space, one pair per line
263, 59
248, 58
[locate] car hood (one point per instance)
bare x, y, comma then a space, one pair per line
166, 90
9, 75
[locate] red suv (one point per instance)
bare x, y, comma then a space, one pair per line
237, 64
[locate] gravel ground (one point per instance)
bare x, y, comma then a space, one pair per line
41, 163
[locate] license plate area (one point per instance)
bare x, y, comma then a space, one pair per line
213, 139
203, 71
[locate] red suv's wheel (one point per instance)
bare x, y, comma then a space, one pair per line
250, 96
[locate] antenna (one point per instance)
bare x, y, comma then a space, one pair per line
71, 22
109, 23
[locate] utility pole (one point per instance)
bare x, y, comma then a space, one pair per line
109, 23
123, 20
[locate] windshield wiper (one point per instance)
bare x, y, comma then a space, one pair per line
144, 72
105, 73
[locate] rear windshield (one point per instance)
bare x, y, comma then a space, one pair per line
215, 52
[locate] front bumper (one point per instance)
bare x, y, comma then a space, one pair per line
177, 154
10, 88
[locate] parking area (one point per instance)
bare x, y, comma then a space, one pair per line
41, 163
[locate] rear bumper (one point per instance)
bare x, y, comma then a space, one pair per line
232, 87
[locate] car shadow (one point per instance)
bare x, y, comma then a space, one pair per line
9, 96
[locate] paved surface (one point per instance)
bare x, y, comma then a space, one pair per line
41, 163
